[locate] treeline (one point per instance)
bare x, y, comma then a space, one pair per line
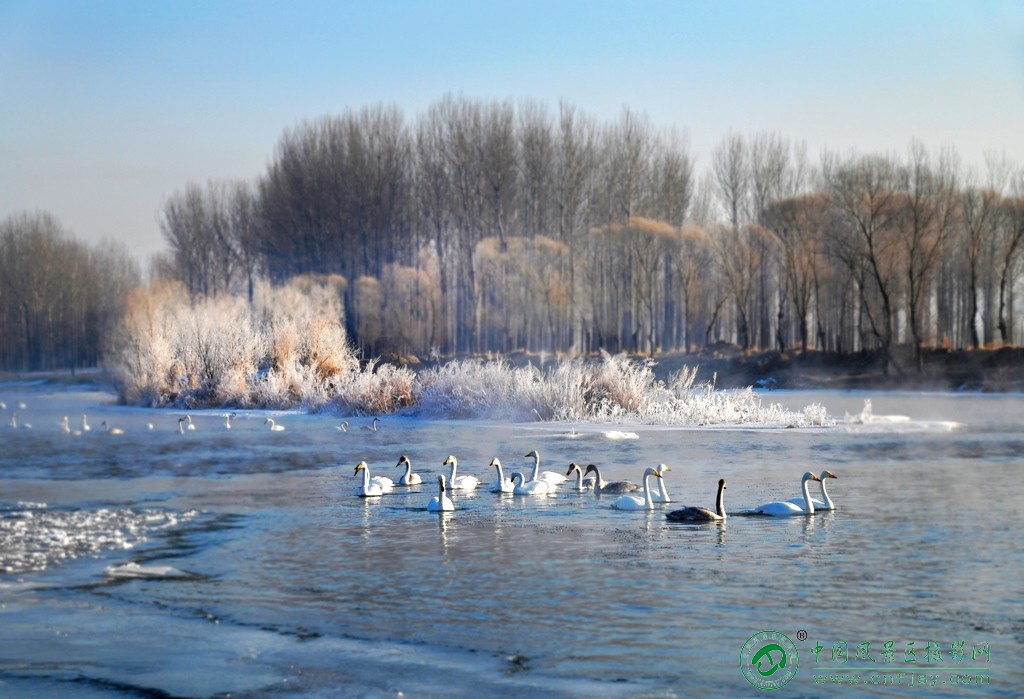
493, 226
58, 296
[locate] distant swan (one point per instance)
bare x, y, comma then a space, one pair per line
190, 427
369, 488
460, 482
788, 509
525, 487
181, 425
440, 502
373, 427
274, 427
111, 430
85, 423
502, 485
343, 427
632, 502
227, 420
581, 485
702, 514
409, 478
662, 494
66, 428
818, 504
601, 487
548, 476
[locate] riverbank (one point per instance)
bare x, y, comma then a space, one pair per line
727, 366
988, 371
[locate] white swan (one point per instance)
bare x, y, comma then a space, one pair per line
343, 427
368, 488
632, 502
549, 476
602, 487
111, 430
460, 482
274, 427
181, 425
440, 502
85, 423
581, 485
818, 504
227, 420
662, 494
373, 427
788, 509
409, 478
525, 487
502, 485
190, 427
701, 514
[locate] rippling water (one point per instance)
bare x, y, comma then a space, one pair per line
159, 564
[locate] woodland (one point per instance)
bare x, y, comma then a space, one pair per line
488, 228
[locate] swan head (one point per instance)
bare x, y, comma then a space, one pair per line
663, 469
652, 472
360, 467
810, 477
591, 468
721, 484
403, 459
827, 474
495, 462
268, 421
451, 461
515, 475
440, 482
573, 467
534, 454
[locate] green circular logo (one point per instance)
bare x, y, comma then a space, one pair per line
769, 660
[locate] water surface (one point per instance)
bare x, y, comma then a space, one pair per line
240, 562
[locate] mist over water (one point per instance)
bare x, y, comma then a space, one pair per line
155, 563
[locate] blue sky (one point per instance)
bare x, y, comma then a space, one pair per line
110, 106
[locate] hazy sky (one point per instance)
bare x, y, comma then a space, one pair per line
110, 106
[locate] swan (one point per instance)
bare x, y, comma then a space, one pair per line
181, 425
460, 482
788, 509
370, 488
818, 504
64, 425
701, 514
662, 494
111, 430
274, 427
343, 427
189, 426
227, 420
601, 487
85, 423
525, 487
548, 476
14, 420
440, 502
502, 485
409, 478
581, 485
632, 502
373, 427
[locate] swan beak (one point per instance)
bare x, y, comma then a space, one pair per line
815, 478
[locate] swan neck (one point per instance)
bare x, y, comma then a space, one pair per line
648, 502
808, 503
720, 501
829, 505
536, 467
579, 479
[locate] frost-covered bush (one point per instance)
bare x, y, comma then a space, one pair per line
376, 389
289, 347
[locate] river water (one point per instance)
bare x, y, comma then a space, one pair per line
241, 563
